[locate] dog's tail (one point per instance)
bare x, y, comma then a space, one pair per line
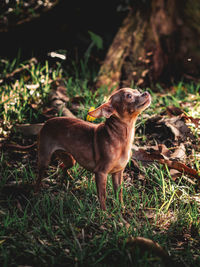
17, 147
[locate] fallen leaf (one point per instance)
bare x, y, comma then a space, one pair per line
179, 153
149, 245
49, 112
146, 157
195, 121
181, 167
175, 174
29, 129
77, 103
173, 111
58, 98
162, 129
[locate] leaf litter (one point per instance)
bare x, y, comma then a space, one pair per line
173, 143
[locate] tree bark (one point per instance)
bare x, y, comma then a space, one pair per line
158, 42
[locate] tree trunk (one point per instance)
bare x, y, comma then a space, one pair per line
158, 42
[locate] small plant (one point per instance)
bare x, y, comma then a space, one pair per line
21, 96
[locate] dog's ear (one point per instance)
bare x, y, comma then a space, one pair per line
105, 110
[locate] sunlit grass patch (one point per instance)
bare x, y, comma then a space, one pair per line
24, 96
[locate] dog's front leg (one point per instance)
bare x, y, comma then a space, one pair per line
117, 179
101, 180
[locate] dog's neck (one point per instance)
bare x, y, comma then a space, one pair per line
121, 128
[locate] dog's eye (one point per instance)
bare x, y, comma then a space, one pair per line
129, 96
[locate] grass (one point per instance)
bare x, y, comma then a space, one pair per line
63, 224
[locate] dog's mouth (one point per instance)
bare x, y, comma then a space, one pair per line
145, 103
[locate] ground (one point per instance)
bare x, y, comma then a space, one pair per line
63, 223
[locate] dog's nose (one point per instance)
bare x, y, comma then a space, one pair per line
145, 94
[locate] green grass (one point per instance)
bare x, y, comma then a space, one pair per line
30, 89
63, 225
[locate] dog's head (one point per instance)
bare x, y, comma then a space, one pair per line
124, 103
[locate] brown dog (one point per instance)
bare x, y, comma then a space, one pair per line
101, 148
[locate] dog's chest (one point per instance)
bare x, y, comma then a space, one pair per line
125, 154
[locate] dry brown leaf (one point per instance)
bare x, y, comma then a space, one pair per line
173, 111
29, 129
179, 153
195, 121
147, 157
162, 128
59, 98
180, 167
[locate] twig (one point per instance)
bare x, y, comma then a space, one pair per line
27, 66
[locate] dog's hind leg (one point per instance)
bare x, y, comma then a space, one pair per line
67, 162
44, 157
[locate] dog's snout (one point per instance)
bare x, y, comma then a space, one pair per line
145, 94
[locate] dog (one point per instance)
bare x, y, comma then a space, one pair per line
103, 148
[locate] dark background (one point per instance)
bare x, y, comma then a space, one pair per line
66, 26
